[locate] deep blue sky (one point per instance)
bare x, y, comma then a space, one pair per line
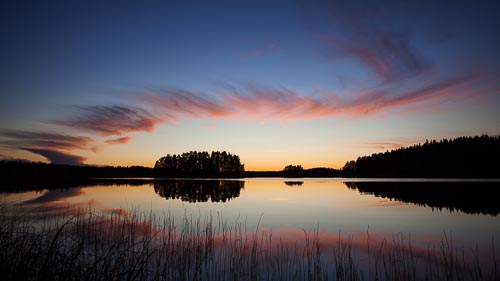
277, 82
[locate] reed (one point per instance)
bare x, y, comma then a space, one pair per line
91, 245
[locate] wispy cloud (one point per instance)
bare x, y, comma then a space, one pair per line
111, 120
405, 78
52, 146
385, 145
263, 103
249, 101
152, 109
119, 140
253, 101
58, 157
371, 37
377, 100
43, 140
408, 70
389, 56
284, 104
178, 103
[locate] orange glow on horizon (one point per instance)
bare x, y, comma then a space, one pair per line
274, 164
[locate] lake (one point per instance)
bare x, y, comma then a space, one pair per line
430, 217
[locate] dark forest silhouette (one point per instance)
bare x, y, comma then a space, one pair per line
464, 157
25, 175
304, 173
199, 190
293, 169
197, 164
467, 197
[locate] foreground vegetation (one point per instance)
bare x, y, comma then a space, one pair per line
88, 245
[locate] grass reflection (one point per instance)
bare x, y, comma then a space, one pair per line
86, 244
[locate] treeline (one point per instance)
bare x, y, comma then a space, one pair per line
300, 173
463, 157
199, 164
25, 174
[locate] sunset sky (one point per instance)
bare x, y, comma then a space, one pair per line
315, 83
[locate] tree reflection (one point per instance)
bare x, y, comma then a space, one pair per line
199, 190
466, 197
294, 183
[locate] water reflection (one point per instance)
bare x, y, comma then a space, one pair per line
467, 197
54, 195
24, 186
294, 183
199, 190
286, 208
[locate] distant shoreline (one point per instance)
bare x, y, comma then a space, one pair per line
460, 158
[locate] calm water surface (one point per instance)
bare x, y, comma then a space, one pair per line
425, 211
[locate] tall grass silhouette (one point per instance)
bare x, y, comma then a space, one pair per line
133, 245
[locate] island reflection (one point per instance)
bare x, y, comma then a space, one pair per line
294, 183
199, 190
466, 197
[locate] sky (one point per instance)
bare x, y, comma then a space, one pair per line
311, 83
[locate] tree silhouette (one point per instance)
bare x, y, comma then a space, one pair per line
293, 170
197, 164
461, 157
25, 175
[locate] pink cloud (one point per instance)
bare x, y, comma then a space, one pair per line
232, 102
381, 100
112, 120
385, 145
14, 138
52, 146
254, 102
58, 157
272, 103
119, 140
154, 109
267, 103
176, 103
284, 104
